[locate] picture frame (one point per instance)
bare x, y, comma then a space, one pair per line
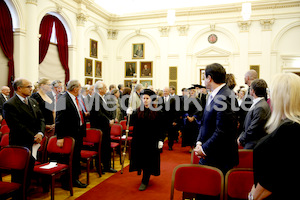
138, 51
146, 69
256, 68
98, 79
88, 63
130, 69
88, 81
202, 77
146, 83
128, 83
98, 69
93, 48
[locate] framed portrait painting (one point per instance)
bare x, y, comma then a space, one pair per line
129, 83
88, 67
130, 69
98, 79
138, 51
88, 81
146, 69
256, 68
93, 48
146, 83
98, 69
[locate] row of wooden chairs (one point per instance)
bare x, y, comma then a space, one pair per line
193, 179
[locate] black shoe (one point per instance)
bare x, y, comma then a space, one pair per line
170, 148
142, 187
110, 170
78, 184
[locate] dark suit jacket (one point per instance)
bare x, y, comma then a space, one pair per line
254, 124
2, 101
217, 132
99, 116
67, 121
24, 121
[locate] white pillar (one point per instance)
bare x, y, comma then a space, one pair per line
78, 73
31, 68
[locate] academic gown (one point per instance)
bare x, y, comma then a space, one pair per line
147, 132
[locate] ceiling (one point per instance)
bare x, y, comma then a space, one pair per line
121, 7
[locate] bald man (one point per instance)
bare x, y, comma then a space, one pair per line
4, 96
250, 76
25, 120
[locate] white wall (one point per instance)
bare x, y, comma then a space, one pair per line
275, 50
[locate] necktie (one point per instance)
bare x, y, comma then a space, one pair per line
80, 111
210, 98
26, 101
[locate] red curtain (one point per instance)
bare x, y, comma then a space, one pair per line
62, 45
62, 42
7, 40
45, 31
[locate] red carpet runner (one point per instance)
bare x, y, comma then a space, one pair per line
125, 186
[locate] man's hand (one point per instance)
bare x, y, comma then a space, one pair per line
60, 142
199, 151
238, 141
38, 138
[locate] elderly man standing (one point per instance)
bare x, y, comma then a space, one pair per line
70, 121
100, 119
25, 120
4, 96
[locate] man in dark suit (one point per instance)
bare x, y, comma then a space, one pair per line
25, 120
70, 121
4, 96
100, 119
216, 142
250, 76
257, 116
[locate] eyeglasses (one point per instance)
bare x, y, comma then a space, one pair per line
29, 86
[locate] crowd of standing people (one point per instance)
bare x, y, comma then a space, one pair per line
212, 119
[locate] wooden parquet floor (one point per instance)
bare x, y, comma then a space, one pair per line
37, 192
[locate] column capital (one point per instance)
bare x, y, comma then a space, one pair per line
164, 31
81, 19
183, 30
112, 34
266, 24
244, 26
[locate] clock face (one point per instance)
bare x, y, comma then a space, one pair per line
212, 38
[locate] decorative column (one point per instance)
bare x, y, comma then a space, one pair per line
244, 45
78, 73
30, 70
266, 68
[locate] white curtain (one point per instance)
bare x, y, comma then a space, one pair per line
3, 69
51, 67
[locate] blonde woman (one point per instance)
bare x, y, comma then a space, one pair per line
45, 104
275, 162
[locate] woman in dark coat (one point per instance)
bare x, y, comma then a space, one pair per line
275, 157
147, 139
